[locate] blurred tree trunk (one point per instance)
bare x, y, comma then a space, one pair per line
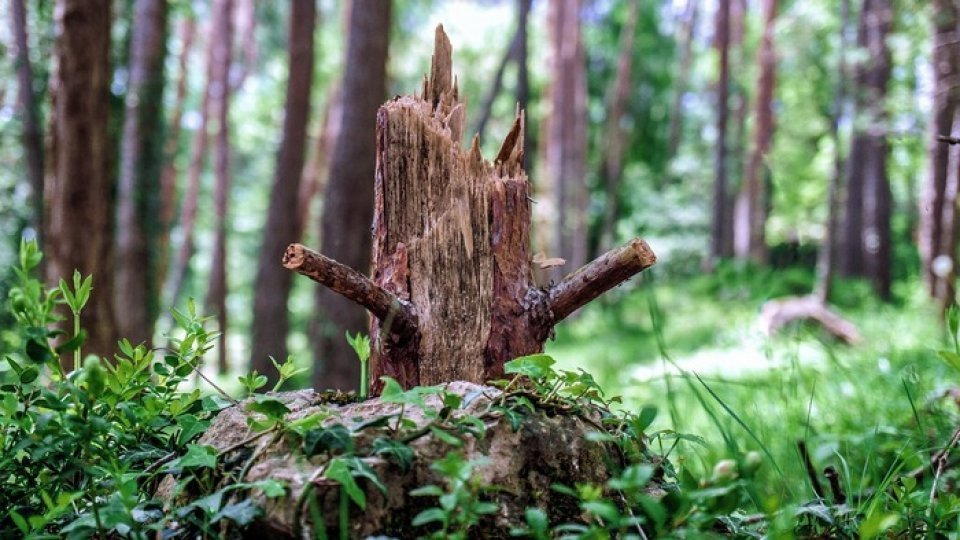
751, 211
564, 146
826, 260
615, 135
30, 133
867, 228
487, 108
198, 154
141, 156
216, 301
245, 26
168, 178
687, 32
272, 285
937, 236
78, 191
738, 105
720, 248
523, 79
316, 171
348, 197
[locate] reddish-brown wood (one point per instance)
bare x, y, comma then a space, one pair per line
452, 270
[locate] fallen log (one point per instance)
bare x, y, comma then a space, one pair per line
778, 313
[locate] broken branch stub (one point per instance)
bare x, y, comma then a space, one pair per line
451, 248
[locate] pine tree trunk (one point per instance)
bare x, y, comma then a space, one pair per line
691, 12
719, 246
938, 224
191, 198
750, 240
141, 155
315, 172
614, 135
216, 301
168, 178
30, 132
867, 227
565, 144
348, 198
452, 291
272, 285
77, 197
827, 257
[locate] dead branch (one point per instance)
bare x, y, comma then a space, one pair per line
353, 286
599, 276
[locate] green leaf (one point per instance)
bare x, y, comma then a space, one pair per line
241, 513
190, 427
271, 488
360, 343
29, 375
951, 358
394, 451
335, 438
537, 521
339, 471
197, 457
430, 515
646, 417
427, 491
72, 344
535, 366
273, 409
446, 437
38, 352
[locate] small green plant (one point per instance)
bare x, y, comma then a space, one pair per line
460, 501
360, 343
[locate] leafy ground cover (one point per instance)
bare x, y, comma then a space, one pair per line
713, 429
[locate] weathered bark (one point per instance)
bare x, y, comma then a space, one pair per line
216, 301
198, 154
452, 291
168, 178
867, 227
718, 244
614, 134
749, 236
691, 12
78, 191
937, 235
565, 135
348, 197
30, 133
141, 155
826, 259
272, 284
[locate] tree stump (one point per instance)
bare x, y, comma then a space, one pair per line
452, 293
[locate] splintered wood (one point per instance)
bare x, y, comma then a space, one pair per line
451, 255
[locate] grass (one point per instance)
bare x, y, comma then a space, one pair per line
872, 412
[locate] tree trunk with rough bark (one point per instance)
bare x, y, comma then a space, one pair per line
827, 257
751, 211
78, 191
719, 247
691, 12
348, 197
191, 198
141, 156
452, 292
614, 134
168, 178
867, 228
30, 133
272, 285
937, 236
216, 301
565, 141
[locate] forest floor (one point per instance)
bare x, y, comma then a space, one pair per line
693, 349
